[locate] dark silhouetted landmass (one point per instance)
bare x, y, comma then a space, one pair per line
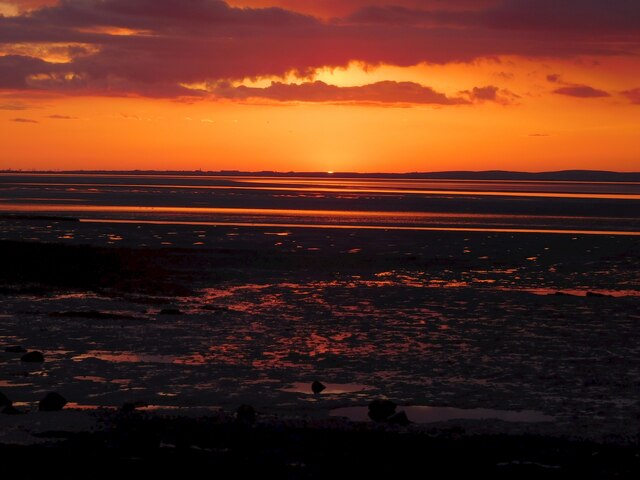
561, 175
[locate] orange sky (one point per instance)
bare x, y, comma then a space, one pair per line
344, 86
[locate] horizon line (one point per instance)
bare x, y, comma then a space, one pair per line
317, 172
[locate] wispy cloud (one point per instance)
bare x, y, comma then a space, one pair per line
24, 120
16, 106
633, 95
61, 117
581, 91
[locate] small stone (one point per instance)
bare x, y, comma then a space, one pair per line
246, 414
130, 407
11, 410
399, 418
317, 387
596, 294
52, 402
170, 311
380, 410
4, 401
16, 349
34, 357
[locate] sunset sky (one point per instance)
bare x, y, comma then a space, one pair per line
342, 85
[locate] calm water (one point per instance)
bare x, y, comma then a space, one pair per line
237, 201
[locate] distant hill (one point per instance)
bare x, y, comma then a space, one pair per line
561, 175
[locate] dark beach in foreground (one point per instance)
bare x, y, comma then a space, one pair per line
504, 322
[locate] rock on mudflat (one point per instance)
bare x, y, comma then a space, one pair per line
11, 410
52, 402
380, 410
597, 295
317, 387
34, 357
130, 407
399, 418
246, 414
15, 349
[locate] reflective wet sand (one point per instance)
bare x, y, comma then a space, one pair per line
210, 306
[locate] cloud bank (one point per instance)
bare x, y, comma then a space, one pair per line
154, 47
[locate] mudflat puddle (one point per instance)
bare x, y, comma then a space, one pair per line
427, 414
330, 388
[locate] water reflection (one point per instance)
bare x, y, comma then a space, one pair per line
628, 190
331, 388
426, 414
124, 357
283, 203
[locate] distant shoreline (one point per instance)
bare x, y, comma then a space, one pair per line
561, 175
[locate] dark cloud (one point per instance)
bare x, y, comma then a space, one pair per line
165, 15
338, 8
539, 135
633, 95
575, 89
581, 91
590, 17
387, 92
195, 41
594, 18
23, 120
14, 70
397, 15
62, 117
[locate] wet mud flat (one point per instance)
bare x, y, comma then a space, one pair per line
544, 323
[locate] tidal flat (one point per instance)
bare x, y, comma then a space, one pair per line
508, 338
545, 323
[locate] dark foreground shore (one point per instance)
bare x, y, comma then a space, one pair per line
546, 323
142, 446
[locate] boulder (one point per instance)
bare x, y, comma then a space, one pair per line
317, 387
399, 418
246, 414
381, 409
33, 357
11, 410
597, 295
52, 402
